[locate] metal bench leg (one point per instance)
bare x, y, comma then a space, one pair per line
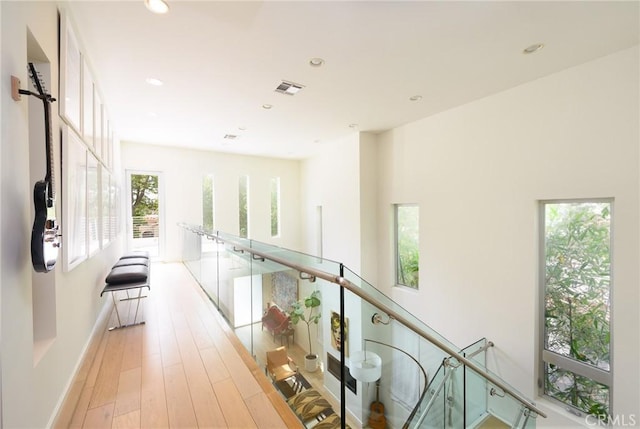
115, 304
135, 317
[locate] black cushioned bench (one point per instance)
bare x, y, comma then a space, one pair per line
130, 272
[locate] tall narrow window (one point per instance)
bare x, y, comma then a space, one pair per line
275, 206
319, 231
243, 209
208, 206
576, 276
407, 240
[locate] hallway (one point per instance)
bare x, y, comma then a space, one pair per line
183, 368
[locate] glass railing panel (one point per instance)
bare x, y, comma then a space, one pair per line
245, 242
277, 289
191, 251
476, 398
455, 398
432, 410
407, 362
274, 288
505, 409
234, 286
476, 392
209, 266
298, 258
386, 301
335, 336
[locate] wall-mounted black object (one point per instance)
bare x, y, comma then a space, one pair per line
333, 366
45, 242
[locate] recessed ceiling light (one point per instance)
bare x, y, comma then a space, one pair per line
267, 106
157, 6
533, 48
316, 62
154, 81
242, 128
416, 98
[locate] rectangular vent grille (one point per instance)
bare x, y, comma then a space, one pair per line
230, 136
289, 88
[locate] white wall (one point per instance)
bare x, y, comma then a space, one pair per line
31, 391
183, 171
331, 180
368, 207
478, 172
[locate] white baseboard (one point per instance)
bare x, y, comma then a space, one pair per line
98, 328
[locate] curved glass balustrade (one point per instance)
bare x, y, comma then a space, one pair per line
424, 381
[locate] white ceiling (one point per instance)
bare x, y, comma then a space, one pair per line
221, 61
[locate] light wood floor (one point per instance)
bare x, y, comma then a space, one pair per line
184, 368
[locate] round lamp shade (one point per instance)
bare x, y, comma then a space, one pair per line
365, 366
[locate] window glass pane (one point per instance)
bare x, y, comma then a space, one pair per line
244, 206
580, 392
407, 239
578, 277
144, 205
207, 202
275, 206
577, 308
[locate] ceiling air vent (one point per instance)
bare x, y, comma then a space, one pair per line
289, 88
230, 137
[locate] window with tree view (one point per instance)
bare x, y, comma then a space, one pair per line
407, 235
208, 206
243, 209
577, 283
144, 205
275, 206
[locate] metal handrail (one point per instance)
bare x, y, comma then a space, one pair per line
356, 290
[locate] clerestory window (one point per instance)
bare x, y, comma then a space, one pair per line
243, 207
208, 202
275, 206
407, 254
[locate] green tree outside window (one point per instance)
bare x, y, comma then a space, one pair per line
407, 240
144, 201
243, 209
577, 300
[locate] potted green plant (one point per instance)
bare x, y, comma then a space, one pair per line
307, 311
